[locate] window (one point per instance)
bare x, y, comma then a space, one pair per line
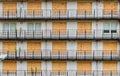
110, 27
34, 27
9, 27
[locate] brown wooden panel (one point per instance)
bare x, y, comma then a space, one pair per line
34, 7
59, 27
10, 66
34, 66
109, 66
84, 66
84, 47
84, 7
84, 27
34, 46
9, 46
10, 7
110, 7
59, 66
58, 47
110, 47
59, 7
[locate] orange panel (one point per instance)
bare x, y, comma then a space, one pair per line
84, 47
9, 46
10, 7
110, 66
110, 47
9, 66
59, 66
110, 7
84, 27
33, 46
84, 7
59, 47
34, 66
59, 27
59, 7
34, 7
84, 66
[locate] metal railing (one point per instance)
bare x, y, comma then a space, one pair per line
62, 55
61, 34
61, 73
60, 14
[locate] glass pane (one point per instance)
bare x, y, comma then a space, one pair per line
5, 27
12, 27
30, 27
106, 27
114, 26
37, 27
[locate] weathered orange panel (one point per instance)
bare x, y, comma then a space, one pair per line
84, 7
34, 46
59, 7
34, 66
59, 66
10, 7
9, 66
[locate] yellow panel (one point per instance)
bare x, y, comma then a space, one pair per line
84, 27
59, 66
84, 66
84, 7
110, 66
34, 66
9, 7
59, 27
9, 46
110, 7
9, 66
34, 46
84, 47
59, 47
110, 47
34, 7
59, 7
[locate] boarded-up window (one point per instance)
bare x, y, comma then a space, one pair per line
84, 66
9, 47
59, 7
110, 47
59, 66
84, 7
58, 47
109, 67
34, 7
9, 66
84, 27
110, 7
9, 7
84, 47
34, 47
59, 27
34, 66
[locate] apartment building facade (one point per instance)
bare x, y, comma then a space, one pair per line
61, 37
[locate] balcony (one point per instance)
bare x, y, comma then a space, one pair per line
93, 55
74, 34
69, 14
60, 73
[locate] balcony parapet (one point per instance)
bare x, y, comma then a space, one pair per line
62, 55
60, 35
62, 14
